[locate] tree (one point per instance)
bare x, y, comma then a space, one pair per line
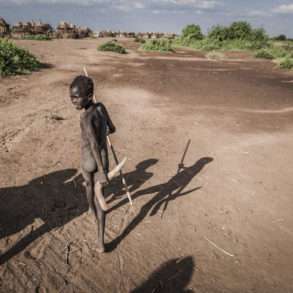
192, 32
219, 33
240, 30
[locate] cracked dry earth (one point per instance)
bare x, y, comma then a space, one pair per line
224, 223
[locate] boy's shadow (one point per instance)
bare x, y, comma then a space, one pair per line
51, 200
165, 192
46, 198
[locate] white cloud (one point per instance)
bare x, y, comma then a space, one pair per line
75, 2
202, 4
258, 13
128, 5
284, 9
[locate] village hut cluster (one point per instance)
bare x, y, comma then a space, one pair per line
67, 30
32, 28
22, 29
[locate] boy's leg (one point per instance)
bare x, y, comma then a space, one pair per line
100, 215
89, 186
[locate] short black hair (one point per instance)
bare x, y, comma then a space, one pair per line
82, 86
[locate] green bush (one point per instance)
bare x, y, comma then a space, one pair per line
208, 45
162, 45
219, 33
286, 63
240, 30
281, 38
112, 46
264, 54
14, 60
238, 44
279, 52
37, 37
258, 38
192, 32
239, 35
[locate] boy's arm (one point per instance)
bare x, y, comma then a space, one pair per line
110, 124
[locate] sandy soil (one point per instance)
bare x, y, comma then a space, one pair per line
223, 224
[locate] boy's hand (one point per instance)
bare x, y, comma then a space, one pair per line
181, 166
111, 130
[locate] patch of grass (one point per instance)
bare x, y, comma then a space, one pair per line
286, 63
161, 45
264, 54
215, 55
14, 60
279, 51
37, 37
276, 50
213, 44
239, 44
112, 46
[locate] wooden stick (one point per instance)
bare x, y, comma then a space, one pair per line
114, 154
183, 157
121, 173
219, 248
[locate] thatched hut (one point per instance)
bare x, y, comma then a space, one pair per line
84, 32
66, 30
4, 28
106, 34
21, 29
170, 35
39, 28
146, 35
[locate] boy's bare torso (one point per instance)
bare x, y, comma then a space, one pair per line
94, 117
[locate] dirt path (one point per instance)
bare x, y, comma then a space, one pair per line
223, 224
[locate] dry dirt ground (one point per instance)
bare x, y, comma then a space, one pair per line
224, 223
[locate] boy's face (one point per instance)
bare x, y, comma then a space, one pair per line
79, 102
78, 99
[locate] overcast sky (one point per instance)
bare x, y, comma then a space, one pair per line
276, 16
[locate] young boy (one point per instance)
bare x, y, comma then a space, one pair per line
95, 124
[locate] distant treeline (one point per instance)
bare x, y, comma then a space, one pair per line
239, 35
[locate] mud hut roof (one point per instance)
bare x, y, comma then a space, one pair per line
63, 25
3, 22
27, 24
18, 24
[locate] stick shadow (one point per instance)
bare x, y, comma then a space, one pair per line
135, 179
164, 194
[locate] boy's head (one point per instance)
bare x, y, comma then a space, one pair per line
81, 91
